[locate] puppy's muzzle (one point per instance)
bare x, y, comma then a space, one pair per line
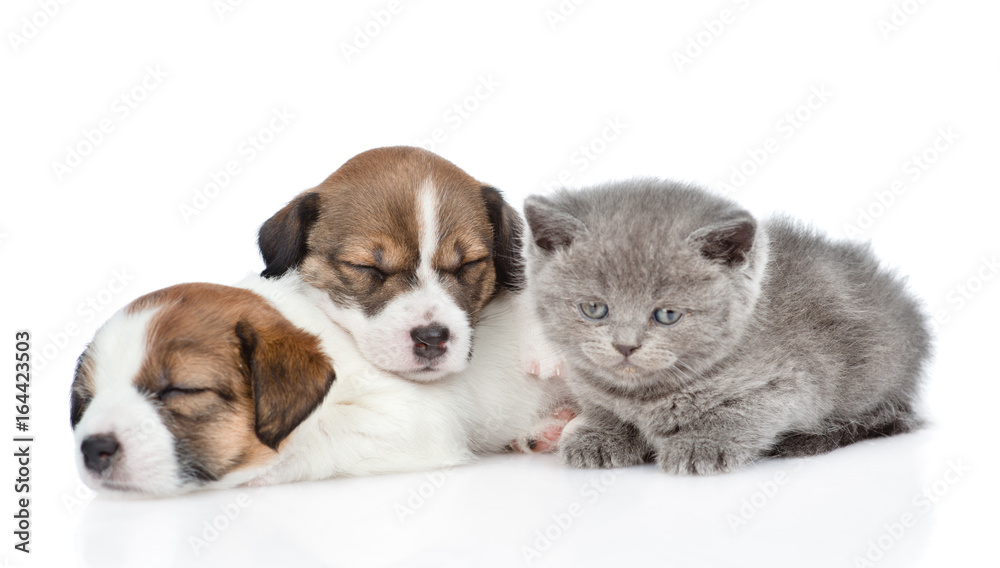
98, 451
430, 341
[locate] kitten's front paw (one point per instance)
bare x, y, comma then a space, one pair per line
702, 456
588, 446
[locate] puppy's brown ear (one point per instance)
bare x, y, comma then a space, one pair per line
507, 228
282, 239
288, 374
80, 397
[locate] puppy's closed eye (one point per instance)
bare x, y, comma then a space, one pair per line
469, 266
172, 392
368, 270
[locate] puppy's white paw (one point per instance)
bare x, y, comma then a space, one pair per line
538, 356
542, 365
545, 436
260, 481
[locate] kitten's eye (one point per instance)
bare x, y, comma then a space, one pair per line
172, 392
594, 310
666, 317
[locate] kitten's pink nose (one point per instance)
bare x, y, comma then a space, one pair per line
626, 350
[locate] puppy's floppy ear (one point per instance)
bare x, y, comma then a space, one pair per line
507, 230
728, 242
551, 228
79, 397
282, 238
288, 374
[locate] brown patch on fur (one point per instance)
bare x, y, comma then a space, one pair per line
363, 247
82, 390
228, 404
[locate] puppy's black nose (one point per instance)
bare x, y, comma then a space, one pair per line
98, 451
429, 340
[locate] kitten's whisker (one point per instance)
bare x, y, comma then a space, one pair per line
689, 376
680, 376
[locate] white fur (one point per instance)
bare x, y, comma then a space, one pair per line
118, 409
373, 421
427, 216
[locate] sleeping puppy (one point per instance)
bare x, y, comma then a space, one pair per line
208, 386
410, 250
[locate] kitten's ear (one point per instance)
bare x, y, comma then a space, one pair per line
728, 242
288, 373
551, 228
282, 238
507, 229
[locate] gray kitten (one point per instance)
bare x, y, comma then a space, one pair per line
700, 339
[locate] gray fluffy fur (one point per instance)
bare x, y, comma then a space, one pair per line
791, 344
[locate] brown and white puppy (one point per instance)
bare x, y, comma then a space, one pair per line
409, 248
207, 386
187, 384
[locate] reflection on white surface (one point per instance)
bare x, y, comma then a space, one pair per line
863, 503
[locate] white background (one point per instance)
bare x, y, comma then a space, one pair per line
68, 238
